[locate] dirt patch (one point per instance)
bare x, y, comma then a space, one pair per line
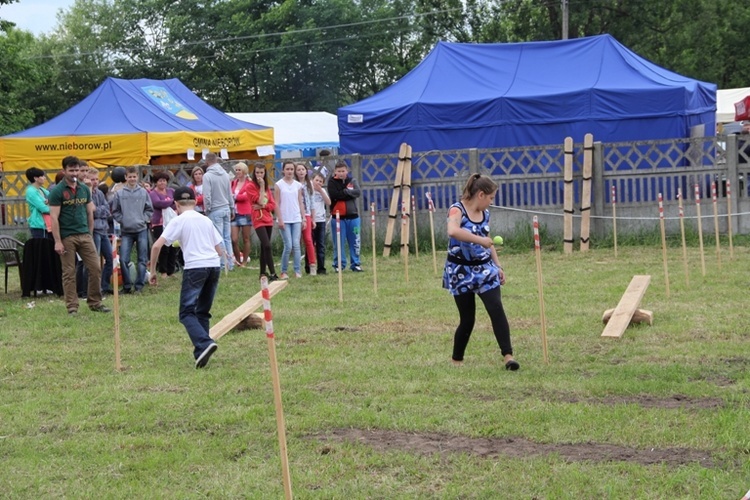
670, 402
430, 443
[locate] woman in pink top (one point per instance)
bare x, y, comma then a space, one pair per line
162, 197
263, 205
242, 221
196, 183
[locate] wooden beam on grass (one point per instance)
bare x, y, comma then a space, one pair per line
623, 314
250, 306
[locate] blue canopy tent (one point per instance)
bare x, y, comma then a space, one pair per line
520, 94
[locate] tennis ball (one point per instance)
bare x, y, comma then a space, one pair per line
498, 240
176, 244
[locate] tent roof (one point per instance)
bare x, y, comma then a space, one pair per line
725, 99
298, 130
120, 106
461, 86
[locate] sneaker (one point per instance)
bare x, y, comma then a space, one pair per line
101, 309
284, 277
272, 278
357, 269
126, 291
72, 312
206, 355
336, 269
322, 270
297, 275
313, 271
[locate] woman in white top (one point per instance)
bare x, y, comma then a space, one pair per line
290, 213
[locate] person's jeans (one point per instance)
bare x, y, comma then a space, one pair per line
104, 249
84, 246
196, 298
319, 240
126, 247
291, 234
221, 219
350, 235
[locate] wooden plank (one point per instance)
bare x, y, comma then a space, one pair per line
394, 208
568, 196
243, 311
588, 160
406, 199
625, 309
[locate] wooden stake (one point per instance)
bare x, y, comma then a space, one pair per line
700, 227
338, 251
431, 208
280, 424
374, 253
540, 286
663, 243
588, 159
414, 225
568, 196
393, 210
116, 301
682, 233
716, 223
405, 197
729, 220
614, 217
405, 224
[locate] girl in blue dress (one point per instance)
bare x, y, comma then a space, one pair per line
472, 268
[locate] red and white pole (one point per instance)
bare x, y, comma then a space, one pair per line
614, 217
682, 234
405, 222
716, 223
414, 224
700, 227
729, 220
540, 287
431, 209
338, 254
116, 300
663, 243
280, 424
374, 257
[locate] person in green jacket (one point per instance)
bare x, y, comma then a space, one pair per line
37, 199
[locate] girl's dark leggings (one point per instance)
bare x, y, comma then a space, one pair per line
266, 256
467, 315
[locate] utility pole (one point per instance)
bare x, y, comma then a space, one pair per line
564, 19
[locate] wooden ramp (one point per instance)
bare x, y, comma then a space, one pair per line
627, 307
250, 306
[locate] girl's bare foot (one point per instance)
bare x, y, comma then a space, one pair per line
456, 362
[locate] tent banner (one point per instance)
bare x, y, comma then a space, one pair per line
48, 152
162, 143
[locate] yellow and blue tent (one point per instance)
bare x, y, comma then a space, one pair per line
134, 122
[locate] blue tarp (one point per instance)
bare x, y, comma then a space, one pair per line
521, 94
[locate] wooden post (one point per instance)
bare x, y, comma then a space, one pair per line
280, 424
614, 217
116, 301
729, 220
393, 210
588, 159
405, 227
568, 196
700, 227
414, 225
338, 251
663, 243
405, 197
431, 209
682, 233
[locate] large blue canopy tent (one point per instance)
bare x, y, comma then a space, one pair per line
520, 94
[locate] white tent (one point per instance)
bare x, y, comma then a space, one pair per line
298, 134
725, 99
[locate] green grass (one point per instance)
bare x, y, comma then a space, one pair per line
70, 426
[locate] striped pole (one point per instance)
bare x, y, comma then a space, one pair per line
431, 209
540, 286
414, 225
700, 227
729, 219
614, 216
338, 252
682, 233
374, 256
280, 425
405, 222
716, 223
663, 243
116, 300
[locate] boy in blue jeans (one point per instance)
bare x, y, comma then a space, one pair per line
343, 190
202, 247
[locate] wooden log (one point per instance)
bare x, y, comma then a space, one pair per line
568, 196
394, 207
405, 198
588, 160
243, 311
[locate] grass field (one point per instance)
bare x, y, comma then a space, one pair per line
373, 407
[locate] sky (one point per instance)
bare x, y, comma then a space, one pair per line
37, 16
